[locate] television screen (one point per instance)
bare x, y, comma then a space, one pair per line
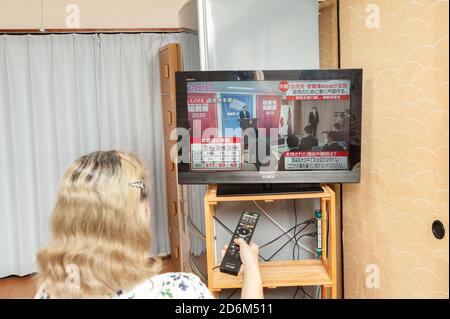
269, 126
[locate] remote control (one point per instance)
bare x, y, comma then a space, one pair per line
231, 262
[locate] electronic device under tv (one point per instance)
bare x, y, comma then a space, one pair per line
275, 127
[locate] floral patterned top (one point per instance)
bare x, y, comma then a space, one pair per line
172, 285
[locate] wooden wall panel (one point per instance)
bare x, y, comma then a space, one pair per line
405, 177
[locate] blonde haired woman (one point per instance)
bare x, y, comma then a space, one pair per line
101, 238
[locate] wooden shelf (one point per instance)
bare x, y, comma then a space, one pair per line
281, 273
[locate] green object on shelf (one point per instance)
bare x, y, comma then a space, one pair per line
318, 214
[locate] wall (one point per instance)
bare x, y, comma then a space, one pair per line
259, 35
328, 35
329, 59
26, 14
404, 185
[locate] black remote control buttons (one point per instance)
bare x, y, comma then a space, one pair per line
231, 262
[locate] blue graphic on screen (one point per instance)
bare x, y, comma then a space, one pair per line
230, 110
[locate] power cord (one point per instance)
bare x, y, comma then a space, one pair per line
232, 233
296, 233
296, 242
287, 242
232, 294
305, 293
295, 229
294, 257
281, 227
309, 221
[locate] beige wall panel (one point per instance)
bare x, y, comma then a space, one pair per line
328, 35
405, 181
19, 14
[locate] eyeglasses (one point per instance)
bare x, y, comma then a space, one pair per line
141, 185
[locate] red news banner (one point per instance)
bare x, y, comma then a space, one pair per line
316, 90
202, 107
268, 108
315, 160
221, 153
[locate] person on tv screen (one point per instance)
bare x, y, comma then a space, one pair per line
340, 135
244, 117
314, 120
308, 141
292, 142
101, 238
331, 141
345, 121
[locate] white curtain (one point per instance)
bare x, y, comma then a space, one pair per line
62, 96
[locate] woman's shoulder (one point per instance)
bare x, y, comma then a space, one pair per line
175, 276
171, 285
180, 285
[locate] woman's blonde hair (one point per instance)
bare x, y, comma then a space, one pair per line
100, 224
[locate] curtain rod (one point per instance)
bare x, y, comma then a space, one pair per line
100, 30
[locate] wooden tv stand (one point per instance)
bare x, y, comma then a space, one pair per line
279, 273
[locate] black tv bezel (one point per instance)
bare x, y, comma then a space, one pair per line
186, 176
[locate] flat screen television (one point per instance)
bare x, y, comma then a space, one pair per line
269, 127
